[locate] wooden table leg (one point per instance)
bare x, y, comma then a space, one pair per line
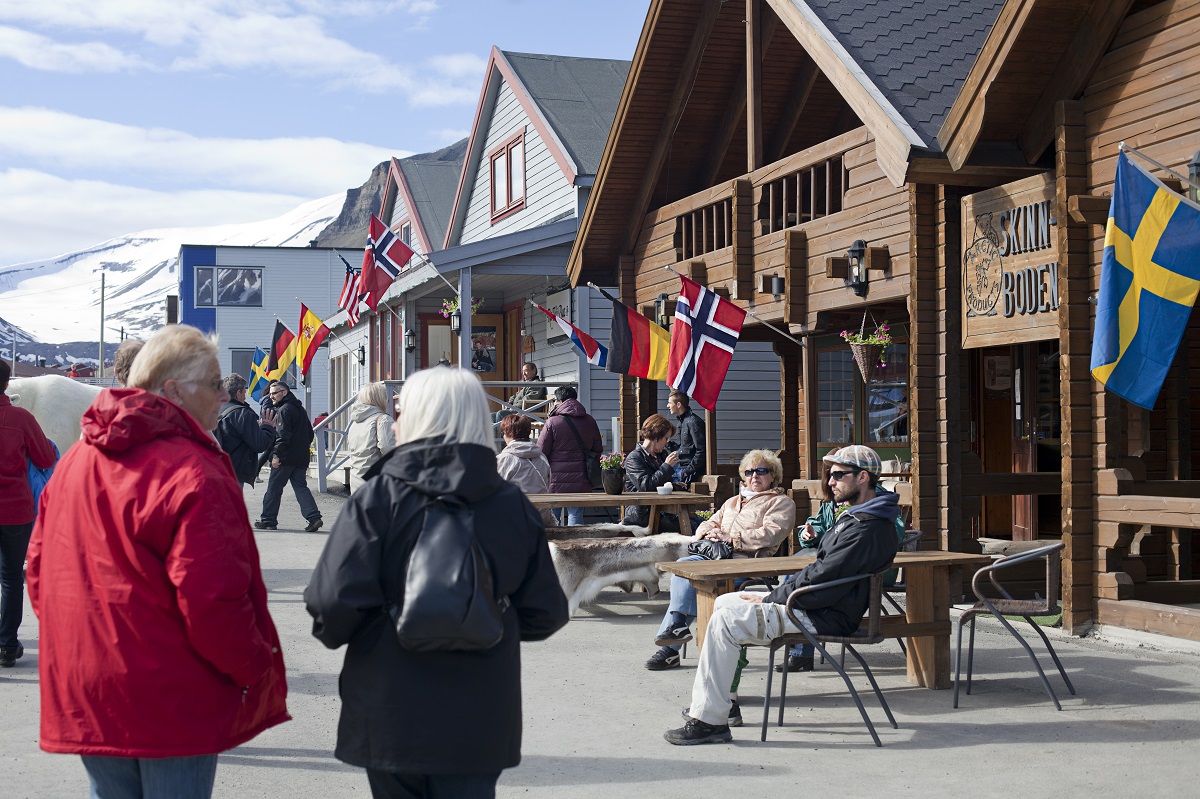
928, 599
653, 522
706, 596
685, 520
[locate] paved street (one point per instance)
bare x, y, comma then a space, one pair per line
594, 717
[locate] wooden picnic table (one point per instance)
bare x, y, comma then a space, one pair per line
676, 502
926, 623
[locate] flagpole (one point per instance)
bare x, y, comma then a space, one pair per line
1123, 147
752, 315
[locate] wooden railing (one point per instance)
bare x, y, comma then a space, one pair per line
809, 193
704, 230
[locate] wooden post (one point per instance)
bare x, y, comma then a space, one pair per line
790, 404
754, 49
710, 441
926, 361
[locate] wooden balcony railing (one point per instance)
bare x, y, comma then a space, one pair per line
804, 195
704, 230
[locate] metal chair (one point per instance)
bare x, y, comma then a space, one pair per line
1026, 608
871, 635
910, 543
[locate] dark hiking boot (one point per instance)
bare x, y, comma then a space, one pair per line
697, 732
795, 663
314, 525
735, 714
663, 659
259, 524
9, 655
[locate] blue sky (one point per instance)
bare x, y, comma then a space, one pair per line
122, 115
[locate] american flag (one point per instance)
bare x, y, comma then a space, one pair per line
705, 332
351, 292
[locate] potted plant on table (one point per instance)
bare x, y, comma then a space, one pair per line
870, 349
612, 472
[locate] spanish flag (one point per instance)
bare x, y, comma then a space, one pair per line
312, 333
638, 346
1149, 279
283, 352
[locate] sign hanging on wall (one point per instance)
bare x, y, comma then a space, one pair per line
559, 304
1010, 264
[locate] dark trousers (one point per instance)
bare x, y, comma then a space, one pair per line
281, 476
390, 785
14, 540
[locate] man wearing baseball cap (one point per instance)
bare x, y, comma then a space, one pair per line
861, 541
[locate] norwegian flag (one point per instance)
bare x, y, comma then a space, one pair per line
383, 260
351, 295
705, 332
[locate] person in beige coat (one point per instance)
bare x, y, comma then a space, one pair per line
754, 521
370, 436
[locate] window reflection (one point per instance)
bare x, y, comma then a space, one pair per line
887, 398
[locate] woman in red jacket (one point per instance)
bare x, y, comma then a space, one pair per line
157, 651
21, 441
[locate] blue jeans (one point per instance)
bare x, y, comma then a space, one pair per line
150, 777
572, 516
14, 540
683, 602
280, 477
389, 785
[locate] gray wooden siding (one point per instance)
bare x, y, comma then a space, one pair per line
548, 195
399, 210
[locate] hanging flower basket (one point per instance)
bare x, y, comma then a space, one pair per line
867, 358
870, 349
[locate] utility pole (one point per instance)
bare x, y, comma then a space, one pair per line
100, 371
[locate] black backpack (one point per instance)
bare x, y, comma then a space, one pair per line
449, 602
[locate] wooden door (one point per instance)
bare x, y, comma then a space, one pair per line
995, 424
1024, 507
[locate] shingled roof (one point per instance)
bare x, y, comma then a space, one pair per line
432, 180
916, 52
578, 97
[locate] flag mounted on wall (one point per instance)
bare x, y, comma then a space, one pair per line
258, 375
595, 353
283, 352
312, 333
383, 260
703, 337
637, 346
1149, 279
351, 295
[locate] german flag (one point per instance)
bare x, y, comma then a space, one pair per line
283, 351
638, 346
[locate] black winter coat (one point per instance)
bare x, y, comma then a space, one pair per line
243, 438
689, 442
646, 472
430, 712
862, 541
294, 432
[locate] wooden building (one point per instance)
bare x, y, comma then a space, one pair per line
970, 146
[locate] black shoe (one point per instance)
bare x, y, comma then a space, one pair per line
795, 663
677, 635
9, 655
663, 659
697, 732
735, 714
259, 524
314, 525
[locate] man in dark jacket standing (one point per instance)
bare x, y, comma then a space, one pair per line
570, 431
688, 440
241, 433
862, 541
289, 460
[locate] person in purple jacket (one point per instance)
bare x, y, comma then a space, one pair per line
569, 432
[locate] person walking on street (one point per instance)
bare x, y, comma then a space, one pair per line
289, 460
370, 436
240, 431
156, 648
688, 440
570, 431
438, 723
21, 442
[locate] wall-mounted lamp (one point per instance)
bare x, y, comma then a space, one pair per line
778, 285
856, 276
660, 312
362, 354
410, 340
456, 321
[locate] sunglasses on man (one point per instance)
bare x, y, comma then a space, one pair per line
837, 476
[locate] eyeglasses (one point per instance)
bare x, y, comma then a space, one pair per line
761, 471
214, 385
837, 476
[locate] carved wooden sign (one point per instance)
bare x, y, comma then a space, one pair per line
1010, 264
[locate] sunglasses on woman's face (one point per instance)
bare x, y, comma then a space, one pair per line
837, 476
761, 471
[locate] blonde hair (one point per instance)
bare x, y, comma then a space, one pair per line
375, 394
444, 402
767, 458
175, 352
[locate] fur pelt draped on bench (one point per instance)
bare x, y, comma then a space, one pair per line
585, 566
607, 530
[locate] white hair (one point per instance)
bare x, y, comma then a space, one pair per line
445, 402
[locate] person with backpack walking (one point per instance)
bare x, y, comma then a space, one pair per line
440, 484
569, 440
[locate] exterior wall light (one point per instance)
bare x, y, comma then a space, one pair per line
856, 276
410, 340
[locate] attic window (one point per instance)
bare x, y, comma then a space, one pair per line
406, 233
508, 176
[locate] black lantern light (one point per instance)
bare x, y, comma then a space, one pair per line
660, 312
456, 321
856, 274
410, 340
362, 354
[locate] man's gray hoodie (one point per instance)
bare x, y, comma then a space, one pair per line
862, 541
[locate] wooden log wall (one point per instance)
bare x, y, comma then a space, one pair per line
925, 359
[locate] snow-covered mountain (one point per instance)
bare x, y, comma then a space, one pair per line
58, 300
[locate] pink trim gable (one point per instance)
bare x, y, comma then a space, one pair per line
418, 223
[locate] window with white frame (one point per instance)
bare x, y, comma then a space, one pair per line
508, 176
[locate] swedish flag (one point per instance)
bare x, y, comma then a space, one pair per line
258, 375
1149, 279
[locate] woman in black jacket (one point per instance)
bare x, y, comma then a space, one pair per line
432, 723
646, 468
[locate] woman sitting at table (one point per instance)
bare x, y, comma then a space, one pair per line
753, 521
646, 469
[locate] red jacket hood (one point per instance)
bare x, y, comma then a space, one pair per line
120, 419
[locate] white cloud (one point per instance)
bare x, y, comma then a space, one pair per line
43, 215
446, 136
38, 52
91, 147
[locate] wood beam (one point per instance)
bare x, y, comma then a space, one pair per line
688, 72
754, 54
802, 86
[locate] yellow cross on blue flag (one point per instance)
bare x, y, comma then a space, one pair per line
1149, 278
258, 375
